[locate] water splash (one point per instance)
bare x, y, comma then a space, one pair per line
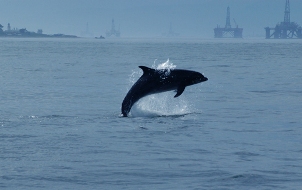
165, 68
166, 65
162, 104
133, 77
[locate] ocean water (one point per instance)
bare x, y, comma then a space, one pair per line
60, 124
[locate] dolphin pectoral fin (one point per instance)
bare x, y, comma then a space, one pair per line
180, 90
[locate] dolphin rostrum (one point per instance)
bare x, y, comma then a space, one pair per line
160, 80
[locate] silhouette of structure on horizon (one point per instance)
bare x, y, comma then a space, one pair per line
171, 32
23, 33
113, 32
285, 29
87, 33
228, 31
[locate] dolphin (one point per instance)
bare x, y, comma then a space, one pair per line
160, 80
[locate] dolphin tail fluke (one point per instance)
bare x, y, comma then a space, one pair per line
124, 113
126, 106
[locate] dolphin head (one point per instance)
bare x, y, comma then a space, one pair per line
195, 77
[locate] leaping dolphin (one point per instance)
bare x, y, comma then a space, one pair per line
160, 80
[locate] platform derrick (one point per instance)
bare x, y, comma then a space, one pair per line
113, 31
285, 29
228, 31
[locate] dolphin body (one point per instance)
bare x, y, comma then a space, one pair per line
156, 81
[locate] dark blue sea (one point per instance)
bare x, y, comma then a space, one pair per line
60, 123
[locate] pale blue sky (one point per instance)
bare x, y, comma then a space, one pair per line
145, 18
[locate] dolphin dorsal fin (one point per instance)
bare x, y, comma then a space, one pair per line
145, 69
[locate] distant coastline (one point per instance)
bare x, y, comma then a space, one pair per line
23, 33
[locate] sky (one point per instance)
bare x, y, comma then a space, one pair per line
145, 18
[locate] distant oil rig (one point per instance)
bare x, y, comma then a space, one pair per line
285, 29
113, 31
228, 31
170, 33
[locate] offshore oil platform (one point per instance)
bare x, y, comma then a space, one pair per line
285, 29
113, 32
228, 31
